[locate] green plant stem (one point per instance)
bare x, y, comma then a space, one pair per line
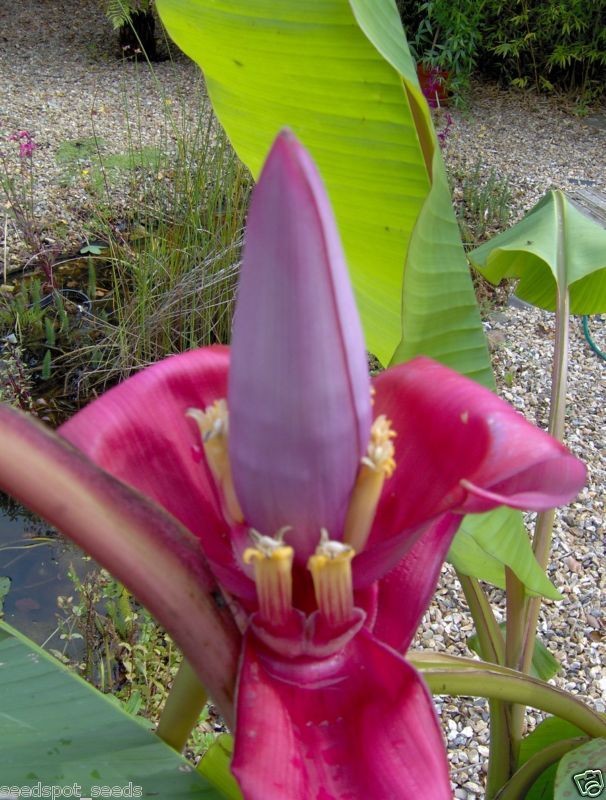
515, 618
500, 757
514, 687
557, 414
492, 647
185, 701
490, 637
520, 783
514, 642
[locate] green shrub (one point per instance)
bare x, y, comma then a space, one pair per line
445, 34
541, 44
547, 43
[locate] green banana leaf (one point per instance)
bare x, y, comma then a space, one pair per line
56, 730
340, 75
555, 243
487, 543
215, 765
548, 732
582, 772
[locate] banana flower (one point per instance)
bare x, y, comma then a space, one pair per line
323, 505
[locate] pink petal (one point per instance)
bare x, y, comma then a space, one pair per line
139, 543
138, 432
298, 387
460, 448
380, 558
406, 591
356, 726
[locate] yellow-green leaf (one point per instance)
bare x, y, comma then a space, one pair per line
215, 766
486, 543
340, 75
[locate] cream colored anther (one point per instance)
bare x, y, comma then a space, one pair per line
330, 568
213, 424
272, 561
377, 465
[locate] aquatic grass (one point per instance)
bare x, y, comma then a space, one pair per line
174, 270
170, 209
106, 636
173, 246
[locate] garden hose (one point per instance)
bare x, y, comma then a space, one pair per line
590, 341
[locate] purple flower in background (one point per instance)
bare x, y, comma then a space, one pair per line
26, 142
432, 85
26, 149
443, 134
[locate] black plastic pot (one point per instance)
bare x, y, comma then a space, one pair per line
75, 296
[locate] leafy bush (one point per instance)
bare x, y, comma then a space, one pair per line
544, 44
120, 12
547, 43
445, 34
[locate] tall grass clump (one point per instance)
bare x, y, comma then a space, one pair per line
486, 205
175, 257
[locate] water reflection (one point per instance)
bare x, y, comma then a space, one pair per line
36, 559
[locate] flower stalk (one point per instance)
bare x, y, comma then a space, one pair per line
527, 622
186, 699
492, 647
513, 687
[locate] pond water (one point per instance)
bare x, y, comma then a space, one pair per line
36, 559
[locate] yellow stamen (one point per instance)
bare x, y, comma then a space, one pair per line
213, 424
272, 560
377, 465
330, 569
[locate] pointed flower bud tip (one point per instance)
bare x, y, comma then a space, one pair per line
299, 393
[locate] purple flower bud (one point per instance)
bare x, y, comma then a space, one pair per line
299, 390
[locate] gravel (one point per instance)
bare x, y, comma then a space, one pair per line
535, 144
574, 629
62, 82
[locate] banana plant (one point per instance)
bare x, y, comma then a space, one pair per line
340, 75
557, 253
556, 247
319, 512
